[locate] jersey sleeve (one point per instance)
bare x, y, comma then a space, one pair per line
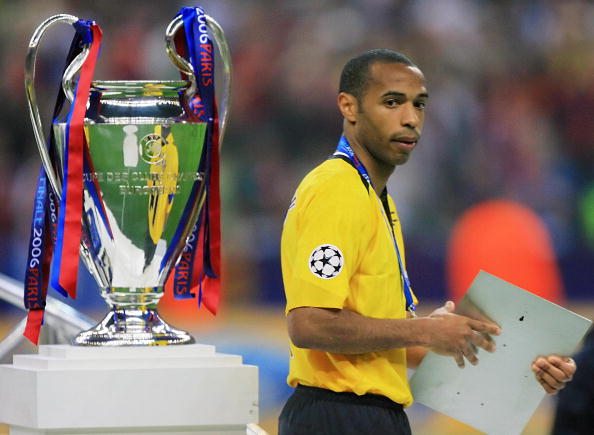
329, 223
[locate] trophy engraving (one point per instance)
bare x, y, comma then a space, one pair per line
145, 179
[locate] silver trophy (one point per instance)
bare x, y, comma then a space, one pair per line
144, 164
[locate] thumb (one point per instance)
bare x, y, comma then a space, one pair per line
450, 306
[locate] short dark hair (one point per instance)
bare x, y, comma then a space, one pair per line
355, 74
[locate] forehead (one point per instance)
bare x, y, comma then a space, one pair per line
384, 76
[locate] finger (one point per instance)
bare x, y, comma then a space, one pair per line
540, 380
556, 373
545, 378
545, 386
548, 387
565, 364
483, 341
485, 327
459, 360
446, 308
469, 352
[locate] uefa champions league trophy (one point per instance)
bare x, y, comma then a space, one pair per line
143, 183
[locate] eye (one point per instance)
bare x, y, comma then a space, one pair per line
391, 102
421, 105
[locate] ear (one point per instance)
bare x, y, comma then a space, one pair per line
348, 106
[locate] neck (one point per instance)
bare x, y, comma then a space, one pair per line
378, 172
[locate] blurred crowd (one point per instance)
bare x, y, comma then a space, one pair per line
511, 115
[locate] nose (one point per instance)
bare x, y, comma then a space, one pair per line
409, 116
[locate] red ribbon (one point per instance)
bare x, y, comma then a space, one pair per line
68, 272
33, 327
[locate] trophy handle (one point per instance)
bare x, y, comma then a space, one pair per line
68, 84
32, 98
185, 67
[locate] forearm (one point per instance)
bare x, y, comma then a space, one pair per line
346, 332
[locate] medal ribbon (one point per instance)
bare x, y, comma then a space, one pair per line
344, 149
199, 267
64, 227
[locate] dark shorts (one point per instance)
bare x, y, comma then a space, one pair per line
323, 412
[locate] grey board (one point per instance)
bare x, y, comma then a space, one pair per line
500, 394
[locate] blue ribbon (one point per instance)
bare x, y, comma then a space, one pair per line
344, 149
200, 51
83, 28
43, 233
35, 272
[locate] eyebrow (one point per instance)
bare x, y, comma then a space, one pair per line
401, 94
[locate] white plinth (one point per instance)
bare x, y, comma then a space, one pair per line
180, 389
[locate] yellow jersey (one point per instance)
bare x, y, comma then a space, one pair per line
337, 252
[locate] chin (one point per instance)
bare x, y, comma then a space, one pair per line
401, 160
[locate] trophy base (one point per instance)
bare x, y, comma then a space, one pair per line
132, 328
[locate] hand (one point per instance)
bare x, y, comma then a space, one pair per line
461, 336
553, 372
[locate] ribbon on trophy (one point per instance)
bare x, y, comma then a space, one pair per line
202, 251
58, 228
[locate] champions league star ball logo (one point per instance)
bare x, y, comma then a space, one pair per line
151, 148
326, 261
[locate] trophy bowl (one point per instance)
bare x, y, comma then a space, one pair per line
143, 187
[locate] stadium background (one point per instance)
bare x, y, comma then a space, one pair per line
510, 117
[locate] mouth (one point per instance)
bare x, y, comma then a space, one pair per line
405, 143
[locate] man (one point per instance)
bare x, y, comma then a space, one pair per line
575, 407
349, 303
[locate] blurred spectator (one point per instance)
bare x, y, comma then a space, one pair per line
508, 240
575, 405
512, 87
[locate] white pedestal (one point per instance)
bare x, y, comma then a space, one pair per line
181, 389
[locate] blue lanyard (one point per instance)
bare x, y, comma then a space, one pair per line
344, 149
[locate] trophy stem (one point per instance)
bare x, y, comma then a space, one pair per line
132, 321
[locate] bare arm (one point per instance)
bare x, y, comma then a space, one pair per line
346, 332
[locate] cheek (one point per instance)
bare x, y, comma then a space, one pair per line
421, 121
373, 135
376, 125
365, 128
